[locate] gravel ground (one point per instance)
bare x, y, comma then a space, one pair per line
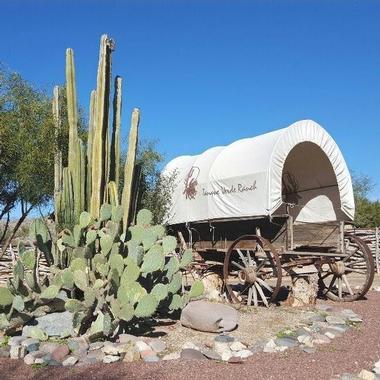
357, 349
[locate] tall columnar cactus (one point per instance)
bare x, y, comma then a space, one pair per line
115, 139
130, 167
57, 156
91, 127
100, 134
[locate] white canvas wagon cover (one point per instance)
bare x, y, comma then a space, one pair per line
254, 177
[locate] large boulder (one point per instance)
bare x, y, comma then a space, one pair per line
209, 317
54, 324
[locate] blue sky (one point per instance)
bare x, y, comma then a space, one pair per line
206, 73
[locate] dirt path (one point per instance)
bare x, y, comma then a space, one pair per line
357, 349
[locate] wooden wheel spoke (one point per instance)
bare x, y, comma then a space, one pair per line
254, 292
264, 284
237, 265
250, 261
332, 282
261, 264
339, 287
325, 275
361, 271
243, 258
262, 295
249, 300
345, 280
351, 254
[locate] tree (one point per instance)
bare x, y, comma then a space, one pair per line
367, 211
27, 147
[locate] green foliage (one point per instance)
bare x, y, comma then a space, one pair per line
109, 282
367, 213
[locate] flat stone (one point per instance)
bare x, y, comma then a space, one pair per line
323, 307
44, 360
377, 364
338, 328
348, 376
355, 319
157, 345
330, 335
210, 354
172, 356
29, 359
17, 352
190, 354
53, 362
224, 338
95, 356
367, 375
111, 359
16, 340
125, 338
227, 355
309, 350
306, 340
286, 342
69, 361
151, 358
209, 317
317, 318
257, 346
95, 346
110, 348
131, 355
78, 343
147, 353
270, 346
320, 339
31, 344
54, 324
334, 320
142, 346
377, 370
48, 347
244, 354
190, 345
60, 352
237, 346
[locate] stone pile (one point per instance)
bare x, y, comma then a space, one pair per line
320, 327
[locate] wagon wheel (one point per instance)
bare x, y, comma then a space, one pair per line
252, 271
349, 278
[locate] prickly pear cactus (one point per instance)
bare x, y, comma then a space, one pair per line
111, 279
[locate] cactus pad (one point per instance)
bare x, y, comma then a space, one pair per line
176, 302
176, 283
85, 219
169, 244
146, 307
6, 297
153, 261
105, 212
144, 218
186, 258
197, 289
160, 291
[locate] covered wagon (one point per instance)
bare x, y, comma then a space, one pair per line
269, 204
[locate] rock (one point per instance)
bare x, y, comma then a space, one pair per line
209, 317
53, 324
79, 343
94, 356
210, 354
270, 346
323, 307
226, 356
306, 340
16, 340
172, 356
17, 352
244, 354
111, 359
125, 338
334, 320
190, 354
142, 346
31, 344
257, 346
49, 347
131, 355
157, 345
286, 342
43, 360
237, 346
4, 352
29, 359
367, 375
376, 289
355, 319
53, 362
377, 370
190, 345
317, 318
320, 339
224, 339
69, 361
147, 353
151, 358
330, 335
222, 347
308, 349
110, 348
377, 364
60, 352
304, 290
348, 313
95, 346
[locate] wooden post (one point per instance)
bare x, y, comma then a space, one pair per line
377, 249
342, 247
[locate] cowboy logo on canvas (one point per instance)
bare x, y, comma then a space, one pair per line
191, 183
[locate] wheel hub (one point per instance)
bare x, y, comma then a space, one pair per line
247, 275
338, 268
